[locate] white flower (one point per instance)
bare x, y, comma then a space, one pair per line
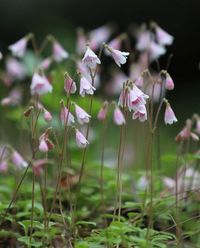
15, 68
118, 117
45, 64
69, 85
141, 113
47, 116
86, 87
66, 116
90, 58
18, 160
40, 85
118, 56
43, 147
81, 115
59, 53
156, 51
170, 117
81, 141
136, 98
169, 83
18, 49
143, 40
163, 37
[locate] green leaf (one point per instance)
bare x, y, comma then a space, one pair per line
86, 223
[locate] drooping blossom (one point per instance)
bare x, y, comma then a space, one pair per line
40, 85
81, 141
118, 117
45, 64
118, 56
136, 98
98, 36
163, 37
186, 133
43, 147
14, 97
86, 87
18, 49
156, 90
15, 69
1, 56
170, 117
66, 117
18, 160
116, 43
156, 50
81, 115
144, 38
90, 59
45, 144
169, 83
140, 113
47, 116
103, 112
59, 53
69, 85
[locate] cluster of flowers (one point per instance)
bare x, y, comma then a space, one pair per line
150, 45
40, 85
132, 97
15, 69
118, 116
153, 40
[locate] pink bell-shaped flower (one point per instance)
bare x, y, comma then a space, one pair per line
90, 59
59, 53
118, 117
170, 117
81, 115
40, 85
86, 87
81, 141
18, 49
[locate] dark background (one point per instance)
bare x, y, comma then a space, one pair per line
181, 18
